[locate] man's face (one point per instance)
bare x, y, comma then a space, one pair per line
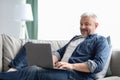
87, 26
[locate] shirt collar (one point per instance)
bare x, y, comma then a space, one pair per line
91, 35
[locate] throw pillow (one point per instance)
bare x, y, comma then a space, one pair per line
108, 73
11, 47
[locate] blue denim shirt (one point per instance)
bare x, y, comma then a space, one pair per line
93, 51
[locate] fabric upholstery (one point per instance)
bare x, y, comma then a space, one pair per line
12, 45
115, 63
0, 53
108, 73
55, 44
111, 78
10, 48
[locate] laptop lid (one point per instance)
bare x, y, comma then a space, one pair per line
39, 54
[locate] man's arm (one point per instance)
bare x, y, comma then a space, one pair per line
99, 61
75, 66
80, 67
55, 59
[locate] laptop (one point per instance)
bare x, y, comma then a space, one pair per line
39, 54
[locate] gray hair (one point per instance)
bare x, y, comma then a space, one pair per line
86, 14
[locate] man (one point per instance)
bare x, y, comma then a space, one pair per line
88, 55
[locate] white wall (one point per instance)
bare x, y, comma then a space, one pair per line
8, 24
60, 19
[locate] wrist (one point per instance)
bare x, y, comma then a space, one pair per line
73, 67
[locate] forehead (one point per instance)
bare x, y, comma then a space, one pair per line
87, 19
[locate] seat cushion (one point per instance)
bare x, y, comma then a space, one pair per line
111, 78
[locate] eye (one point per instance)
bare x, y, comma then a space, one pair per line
81, 24
86, 24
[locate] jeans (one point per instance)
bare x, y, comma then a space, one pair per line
20, 60
36, 73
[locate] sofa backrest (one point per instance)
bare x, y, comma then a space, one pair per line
0, 53
115, 63
55, 44
10, 46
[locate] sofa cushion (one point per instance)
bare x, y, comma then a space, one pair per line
108, 73
55, 44
11, 46
111, 78
0, 53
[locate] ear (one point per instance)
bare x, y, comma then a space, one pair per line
96, 25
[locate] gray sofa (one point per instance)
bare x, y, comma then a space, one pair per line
9, 46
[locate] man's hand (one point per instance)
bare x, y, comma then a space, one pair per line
75, 66
64, 65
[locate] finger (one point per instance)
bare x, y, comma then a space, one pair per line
58, 64
63, 67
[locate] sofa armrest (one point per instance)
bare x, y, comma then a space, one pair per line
0, 53
115, 63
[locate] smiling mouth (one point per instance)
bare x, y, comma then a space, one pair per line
83, 30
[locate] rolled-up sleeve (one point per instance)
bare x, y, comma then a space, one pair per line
91, 65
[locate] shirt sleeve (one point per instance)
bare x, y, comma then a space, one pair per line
91, 65
56, 54
102, 51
